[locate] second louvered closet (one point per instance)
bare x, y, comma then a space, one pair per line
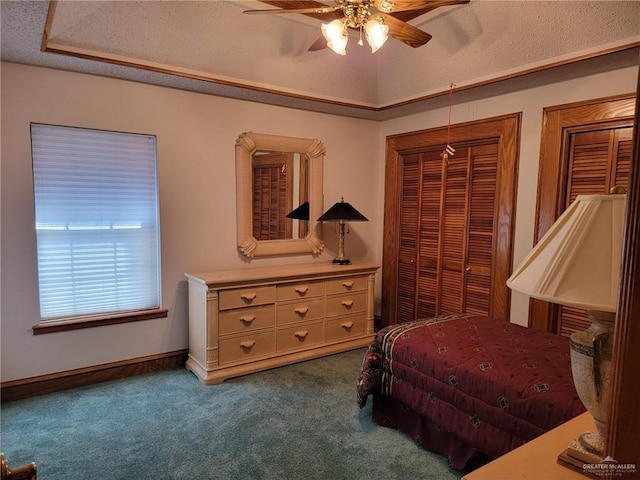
598, 160
586, 149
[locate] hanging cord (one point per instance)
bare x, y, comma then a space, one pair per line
449, 150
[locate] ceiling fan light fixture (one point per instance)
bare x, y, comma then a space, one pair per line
336, 34
376, 17
376, 32
385, 6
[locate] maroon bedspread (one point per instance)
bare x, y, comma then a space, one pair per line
493, 384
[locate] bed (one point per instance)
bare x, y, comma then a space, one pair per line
468, 387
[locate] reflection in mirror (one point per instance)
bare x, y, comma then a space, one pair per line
280, 185
301, 213
275, 176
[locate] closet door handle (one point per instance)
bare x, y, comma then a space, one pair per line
248, 344
247, 319
348, 303
302, 290
301, 310
468, 269
347, 325
301, 334
248, 297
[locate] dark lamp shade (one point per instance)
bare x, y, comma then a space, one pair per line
342, 211
300, 213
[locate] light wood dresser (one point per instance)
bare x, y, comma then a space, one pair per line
251, 319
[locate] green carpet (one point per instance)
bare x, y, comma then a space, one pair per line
295, 422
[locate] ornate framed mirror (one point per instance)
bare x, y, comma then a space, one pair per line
274, 176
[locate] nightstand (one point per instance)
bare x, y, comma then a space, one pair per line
538, 458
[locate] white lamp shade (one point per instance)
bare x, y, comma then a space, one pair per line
577, 262
377, 33
336, 34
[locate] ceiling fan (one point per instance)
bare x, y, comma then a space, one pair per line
378, 19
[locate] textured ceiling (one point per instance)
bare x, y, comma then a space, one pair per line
212, 47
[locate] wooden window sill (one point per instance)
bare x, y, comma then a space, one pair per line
97, 321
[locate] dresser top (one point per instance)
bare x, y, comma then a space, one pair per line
226, 278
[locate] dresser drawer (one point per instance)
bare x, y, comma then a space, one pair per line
345, 327
347, 284
243, 297
299, 336
344, 304
246, 319
245, 347
299, 311
295, 291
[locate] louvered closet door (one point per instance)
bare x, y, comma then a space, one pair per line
408, 251
480, 229
429, 234
447, 212
598, 160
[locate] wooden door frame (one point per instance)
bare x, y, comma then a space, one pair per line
624, 424
506, 129
558, 123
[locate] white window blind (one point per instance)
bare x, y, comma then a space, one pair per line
96, 202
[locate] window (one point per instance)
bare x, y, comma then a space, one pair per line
97, 228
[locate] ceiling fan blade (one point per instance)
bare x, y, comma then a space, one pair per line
317, 10
319, 44
406, 33
390, 6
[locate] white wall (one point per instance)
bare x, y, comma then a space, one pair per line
196, 136
531, 103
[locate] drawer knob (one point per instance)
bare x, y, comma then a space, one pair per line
301, 334
301, 310
348, 285
248, 319
302, 290
248, 297
248, 344
348, 303
347, 325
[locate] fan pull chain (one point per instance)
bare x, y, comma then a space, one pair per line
449, 151
360, 42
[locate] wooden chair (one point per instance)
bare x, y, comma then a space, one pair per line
25, 472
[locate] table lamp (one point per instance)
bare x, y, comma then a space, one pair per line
342, 212
577, 264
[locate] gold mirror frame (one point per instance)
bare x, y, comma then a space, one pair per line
246, 145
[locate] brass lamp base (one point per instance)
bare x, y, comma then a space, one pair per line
341, 261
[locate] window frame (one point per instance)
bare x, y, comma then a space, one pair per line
75, 322
90, 321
